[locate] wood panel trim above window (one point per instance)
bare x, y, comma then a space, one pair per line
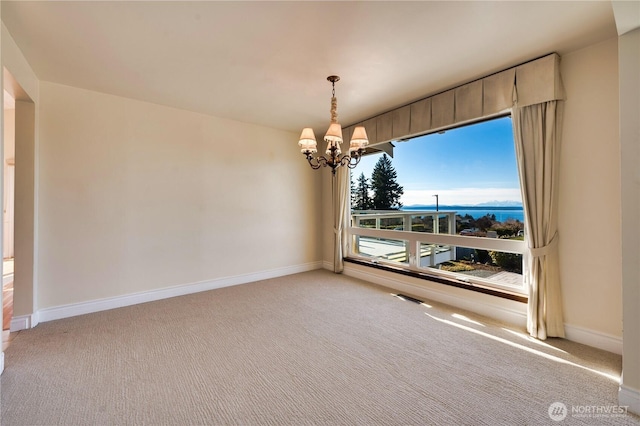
527, 84
401, 121
420, 116
469, 101
443, 108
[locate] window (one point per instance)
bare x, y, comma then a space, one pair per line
460, 215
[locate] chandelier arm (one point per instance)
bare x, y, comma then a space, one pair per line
322, 161
316, 162
358, 156
351, 160
345, 160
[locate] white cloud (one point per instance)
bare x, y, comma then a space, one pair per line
459, 196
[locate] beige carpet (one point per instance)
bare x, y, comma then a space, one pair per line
313, 348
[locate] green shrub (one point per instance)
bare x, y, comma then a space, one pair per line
483, 256
510, 262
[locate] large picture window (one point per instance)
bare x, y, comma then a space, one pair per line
456, 210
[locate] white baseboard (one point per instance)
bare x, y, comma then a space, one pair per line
514, 316
23, 322
1, 362
75, 309
628, 397
593, 338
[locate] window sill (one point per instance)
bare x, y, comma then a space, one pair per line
441, 280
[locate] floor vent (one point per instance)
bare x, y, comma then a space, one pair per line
409, 298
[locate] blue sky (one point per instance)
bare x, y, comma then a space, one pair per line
464, 166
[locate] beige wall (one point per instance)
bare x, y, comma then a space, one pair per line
590, 252
136, 197
25, 202
589, 222
629, 60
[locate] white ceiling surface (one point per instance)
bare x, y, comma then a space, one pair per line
267, 62
627, 15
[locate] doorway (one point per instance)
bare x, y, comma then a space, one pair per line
8, 209
18, 195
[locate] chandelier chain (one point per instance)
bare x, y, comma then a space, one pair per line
334, 112
334, 102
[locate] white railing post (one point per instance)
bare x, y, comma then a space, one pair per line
452, 223
356, 248
432, 255
410, 249
412, 253
452, 231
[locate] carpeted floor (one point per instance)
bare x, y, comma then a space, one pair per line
312, 348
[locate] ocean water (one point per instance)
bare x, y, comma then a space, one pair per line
502, 213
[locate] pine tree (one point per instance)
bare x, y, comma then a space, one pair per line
386, 191
360, 199
353, 192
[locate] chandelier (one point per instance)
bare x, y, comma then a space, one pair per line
333, 138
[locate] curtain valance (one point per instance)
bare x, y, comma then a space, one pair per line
527, 84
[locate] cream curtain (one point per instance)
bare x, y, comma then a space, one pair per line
537, 132
341, 197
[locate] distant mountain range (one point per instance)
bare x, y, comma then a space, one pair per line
500, 204
511, 204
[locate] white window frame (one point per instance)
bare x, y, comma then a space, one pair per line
413, 240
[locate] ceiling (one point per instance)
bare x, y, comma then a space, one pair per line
267, 62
